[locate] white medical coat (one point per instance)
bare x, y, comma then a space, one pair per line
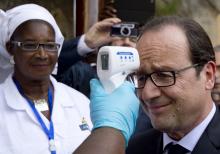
21, 133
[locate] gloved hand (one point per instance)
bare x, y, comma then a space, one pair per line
118, 109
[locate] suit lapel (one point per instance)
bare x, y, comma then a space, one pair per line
210, 139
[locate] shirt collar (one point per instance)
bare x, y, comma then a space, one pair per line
190, 140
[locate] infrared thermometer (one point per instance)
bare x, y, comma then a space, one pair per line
114, 64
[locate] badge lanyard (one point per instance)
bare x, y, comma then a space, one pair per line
50, 132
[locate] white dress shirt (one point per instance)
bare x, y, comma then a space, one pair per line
82, 47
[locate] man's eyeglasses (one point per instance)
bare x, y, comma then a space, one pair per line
159, 78
33, 46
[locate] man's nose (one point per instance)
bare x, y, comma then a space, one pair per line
150, 90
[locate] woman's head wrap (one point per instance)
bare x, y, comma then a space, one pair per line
14, 17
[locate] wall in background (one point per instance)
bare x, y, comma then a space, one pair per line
205, 12
62, 10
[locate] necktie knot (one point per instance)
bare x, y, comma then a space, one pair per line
175, 149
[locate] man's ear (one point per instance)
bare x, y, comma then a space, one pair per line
9, 48
210, 68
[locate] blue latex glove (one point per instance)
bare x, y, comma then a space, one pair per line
118, 109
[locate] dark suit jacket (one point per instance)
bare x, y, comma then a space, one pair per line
68, 55
151, 141
71, 70
78, 77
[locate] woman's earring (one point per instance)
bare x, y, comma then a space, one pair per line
12, 60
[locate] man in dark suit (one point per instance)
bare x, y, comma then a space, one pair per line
174, 83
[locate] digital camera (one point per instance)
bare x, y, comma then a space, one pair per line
125, 29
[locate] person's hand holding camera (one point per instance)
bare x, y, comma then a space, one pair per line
99, 33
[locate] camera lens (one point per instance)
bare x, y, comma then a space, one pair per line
125, 31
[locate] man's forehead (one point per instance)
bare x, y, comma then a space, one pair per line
166, 42
168, 34
157, 66
165, 49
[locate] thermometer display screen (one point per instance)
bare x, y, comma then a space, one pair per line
104, 60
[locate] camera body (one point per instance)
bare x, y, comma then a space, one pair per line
125, 29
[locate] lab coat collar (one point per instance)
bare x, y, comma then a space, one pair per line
11, 94
15, 100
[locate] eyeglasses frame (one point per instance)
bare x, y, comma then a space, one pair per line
19, 44
174, 72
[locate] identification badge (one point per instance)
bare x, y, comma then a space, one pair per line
84, 125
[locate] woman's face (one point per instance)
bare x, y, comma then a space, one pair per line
32, 64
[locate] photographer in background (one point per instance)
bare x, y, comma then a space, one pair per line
73, 67
105, 32
76, 69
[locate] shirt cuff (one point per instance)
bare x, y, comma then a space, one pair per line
82, 48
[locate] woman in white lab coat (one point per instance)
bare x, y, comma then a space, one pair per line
38, 115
